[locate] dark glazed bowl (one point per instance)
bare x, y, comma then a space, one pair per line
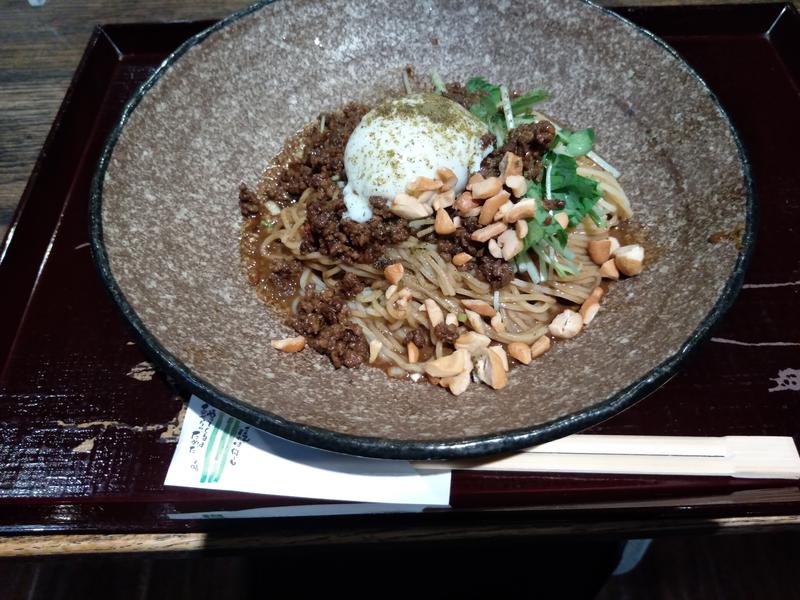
165, 217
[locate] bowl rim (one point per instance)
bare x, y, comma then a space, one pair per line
411, 449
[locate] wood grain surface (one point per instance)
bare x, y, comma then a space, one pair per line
47, 545
41, 46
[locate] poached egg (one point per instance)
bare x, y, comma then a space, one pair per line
405, 138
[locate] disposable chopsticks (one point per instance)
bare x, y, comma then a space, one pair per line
767, 457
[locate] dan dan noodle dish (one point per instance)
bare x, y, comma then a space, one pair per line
446, 235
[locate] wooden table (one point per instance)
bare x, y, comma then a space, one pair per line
41, 46
40, 51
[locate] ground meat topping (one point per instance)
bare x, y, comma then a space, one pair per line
459, 94
419, 336
446, 333
329, 232
459, 242
530, 142
349, 286
495, 271
314, 159
248, 201
421, 339
324, 319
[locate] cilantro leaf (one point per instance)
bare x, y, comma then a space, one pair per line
479, 84
580, 194
489, 108
575, 143
522, 104
546, 240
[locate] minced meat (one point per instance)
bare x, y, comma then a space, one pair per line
419, 336
313, 159
457, 243
529, 142
421, 339
284, 277
446, 333
329, 232
248, 201
495, 271
324, 319
349, 286
459, 94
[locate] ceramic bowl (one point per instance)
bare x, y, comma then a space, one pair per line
165, 219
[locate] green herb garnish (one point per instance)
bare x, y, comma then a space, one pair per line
438, 84
489, 108
576, 196
575, 143
561, 189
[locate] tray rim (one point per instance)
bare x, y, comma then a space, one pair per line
410, 449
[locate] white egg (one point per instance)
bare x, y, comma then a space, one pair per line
406, 138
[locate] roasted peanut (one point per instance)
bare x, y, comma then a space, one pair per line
524, 209
609, 270
520, 351
486, 188
479, 306
393, 272
292, 344
491, 206
629, 259
435, 315
423, 184
566, 324
517, 184
447, 366
484, 234
540, 346
409, 207
443, 200
444, 224
472, 342
447, 177
599, 251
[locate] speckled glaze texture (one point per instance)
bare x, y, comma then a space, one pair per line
167, 222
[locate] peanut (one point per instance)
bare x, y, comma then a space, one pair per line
444, 224
393, 272
447, 177
423, 184
435, 315
524, 209
629, 259
484, 234
566, 324
491, 206
517, 184
409, 207
292, 344
479, 306
520, 351
540, 346
486, 188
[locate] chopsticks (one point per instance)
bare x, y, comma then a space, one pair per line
762, 457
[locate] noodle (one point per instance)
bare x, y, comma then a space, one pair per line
527, 305
436, 298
